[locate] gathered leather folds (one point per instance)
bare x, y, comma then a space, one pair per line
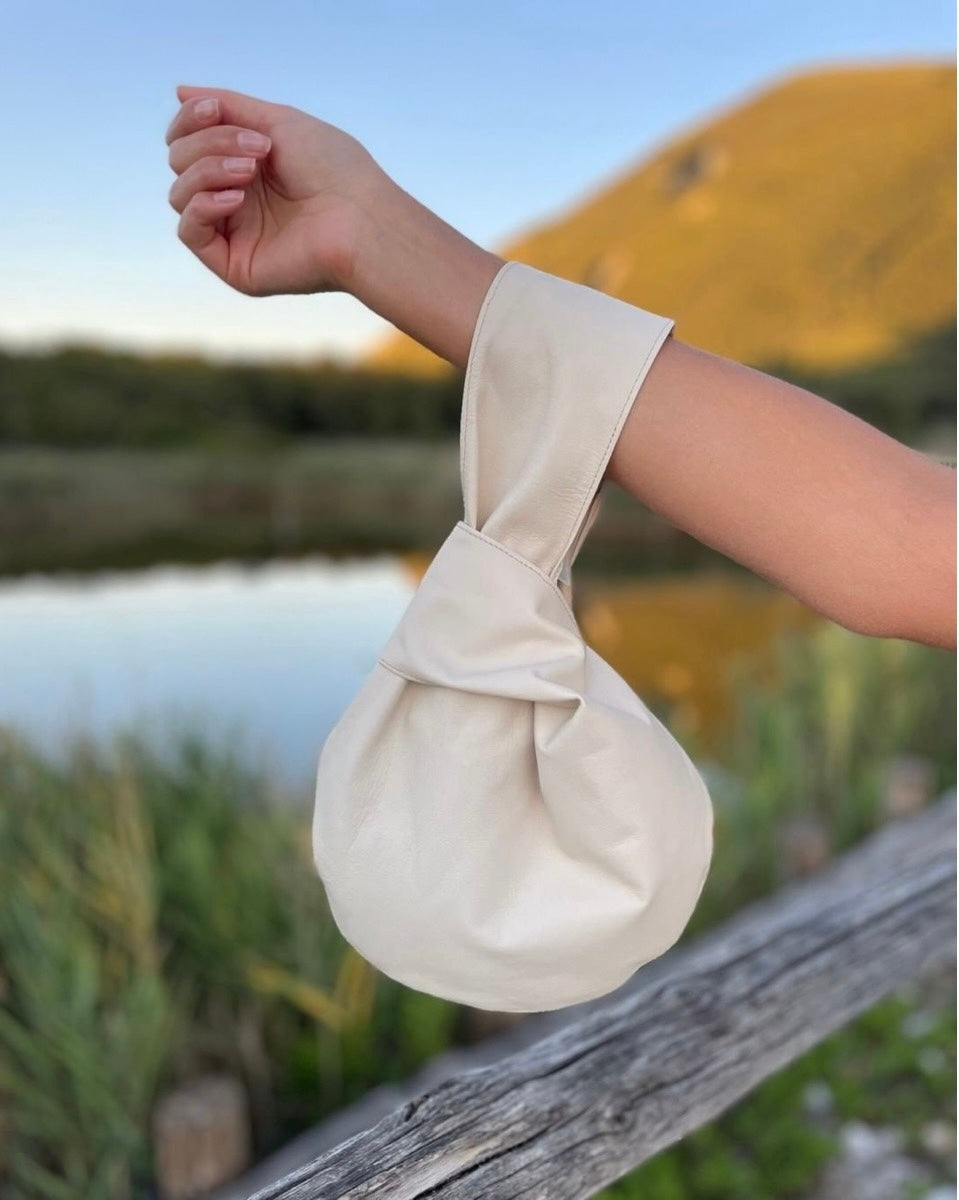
500, 820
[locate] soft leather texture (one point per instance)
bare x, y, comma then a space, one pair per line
500, 820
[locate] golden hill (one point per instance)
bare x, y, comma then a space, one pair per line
813, 224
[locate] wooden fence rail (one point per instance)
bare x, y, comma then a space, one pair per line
571, 1113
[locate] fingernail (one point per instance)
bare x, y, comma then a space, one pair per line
239, 164
228, 196
253, 141
206, 108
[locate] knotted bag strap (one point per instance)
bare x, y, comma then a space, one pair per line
553, 370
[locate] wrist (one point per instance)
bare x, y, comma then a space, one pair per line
413, 269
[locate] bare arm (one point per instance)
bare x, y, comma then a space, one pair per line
850, 521
856, 525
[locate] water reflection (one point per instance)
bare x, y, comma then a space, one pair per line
268, 656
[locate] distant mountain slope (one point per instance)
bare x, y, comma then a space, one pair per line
812, 225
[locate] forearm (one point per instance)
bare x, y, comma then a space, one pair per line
853, 523
419, 273
850, 521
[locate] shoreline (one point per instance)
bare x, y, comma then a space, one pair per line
78, 511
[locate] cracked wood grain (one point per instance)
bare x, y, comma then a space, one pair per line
568, 1115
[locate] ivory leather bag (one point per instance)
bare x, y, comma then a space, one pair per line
500, 820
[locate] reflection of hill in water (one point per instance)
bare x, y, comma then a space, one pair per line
674, 638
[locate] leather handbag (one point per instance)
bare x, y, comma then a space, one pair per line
499, 819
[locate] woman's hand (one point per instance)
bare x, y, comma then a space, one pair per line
286, 221
312, 211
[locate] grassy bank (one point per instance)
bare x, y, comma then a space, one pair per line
86, 509
159, 920
63, 510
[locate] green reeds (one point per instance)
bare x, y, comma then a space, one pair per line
160, 916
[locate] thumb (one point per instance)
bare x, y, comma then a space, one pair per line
236, 108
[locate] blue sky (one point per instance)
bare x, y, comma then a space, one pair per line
496, 115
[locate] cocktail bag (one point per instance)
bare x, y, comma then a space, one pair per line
500, 820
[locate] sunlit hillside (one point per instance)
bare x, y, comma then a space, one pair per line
813, 224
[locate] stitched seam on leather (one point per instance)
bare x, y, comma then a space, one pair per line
402, 674
550, 583
474, 348
632, 397
541, 575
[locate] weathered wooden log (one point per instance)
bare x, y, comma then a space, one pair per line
575, 1111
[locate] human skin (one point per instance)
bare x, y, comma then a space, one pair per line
853, 523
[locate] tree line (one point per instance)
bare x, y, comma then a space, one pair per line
83, 396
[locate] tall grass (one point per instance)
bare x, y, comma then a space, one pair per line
161, 916
812, 732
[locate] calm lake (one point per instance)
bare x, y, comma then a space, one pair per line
266, 656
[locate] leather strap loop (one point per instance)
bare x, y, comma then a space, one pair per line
539, 424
